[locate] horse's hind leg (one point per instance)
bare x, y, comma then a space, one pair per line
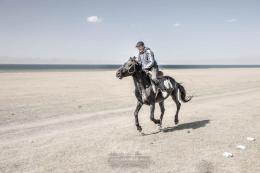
137, 109
161, 104
178, 104
152, 108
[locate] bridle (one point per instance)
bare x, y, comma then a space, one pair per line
131, 72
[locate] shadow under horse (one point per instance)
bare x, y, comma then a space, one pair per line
146, 93
191, 125
186, 126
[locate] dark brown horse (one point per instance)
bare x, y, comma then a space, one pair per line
146, 92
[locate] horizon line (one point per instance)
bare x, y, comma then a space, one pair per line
121, 64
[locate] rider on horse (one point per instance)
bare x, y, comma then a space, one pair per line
149, 65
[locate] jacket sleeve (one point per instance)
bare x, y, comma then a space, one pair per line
138, 59
151, 60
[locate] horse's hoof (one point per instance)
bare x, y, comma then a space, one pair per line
158, 122
139, 128
176, 121
159, 127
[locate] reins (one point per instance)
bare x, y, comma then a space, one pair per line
130, 68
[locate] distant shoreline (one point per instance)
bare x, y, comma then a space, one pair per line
55, 67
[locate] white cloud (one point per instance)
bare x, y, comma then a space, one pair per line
176, 24
94, 19
231, 20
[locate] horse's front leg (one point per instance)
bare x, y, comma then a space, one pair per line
152, 108
137, 109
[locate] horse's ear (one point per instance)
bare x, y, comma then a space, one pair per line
130, 58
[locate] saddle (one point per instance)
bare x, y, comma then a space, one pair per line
160, 74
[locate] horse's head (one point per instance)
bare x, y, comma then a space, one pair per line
128, 69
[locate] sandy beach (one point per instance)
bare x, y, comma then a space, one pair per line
82, 121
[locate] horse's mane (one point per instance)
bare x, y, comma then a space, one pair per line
143, 75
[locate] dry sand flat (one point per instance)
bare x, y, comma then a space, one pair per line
83, 122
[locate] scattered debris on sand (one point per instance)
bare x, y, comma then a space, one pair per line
250, 139
227, 154
241, 147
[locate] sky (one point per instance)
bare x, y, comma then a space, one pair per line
106, 31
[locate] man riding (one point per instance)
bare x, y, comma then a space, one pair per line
149, 65
146, 59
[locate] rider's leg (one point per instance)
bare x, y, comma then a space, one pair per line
154, 72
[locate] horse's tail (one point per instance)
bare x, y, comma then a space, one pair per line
183, 96
182, 93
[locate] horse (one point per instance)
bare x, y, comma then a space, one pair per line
146, 92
